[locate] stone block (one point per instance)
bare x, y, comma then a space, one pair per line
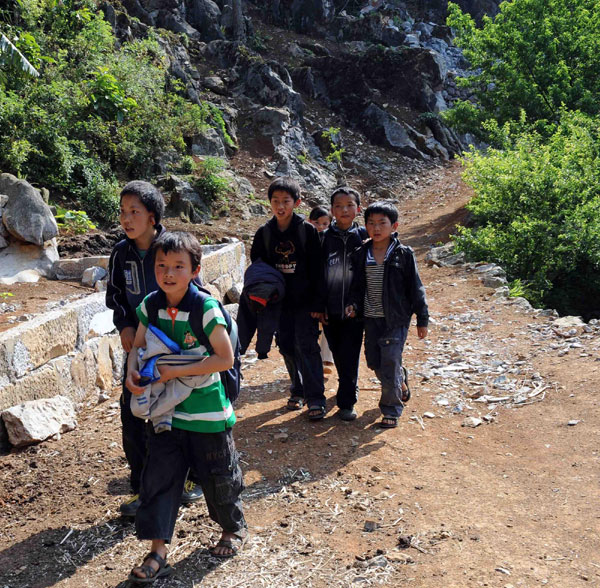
37, 420
91, 275
72, 269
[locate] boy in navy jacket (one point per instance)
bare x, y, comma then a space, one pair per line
387, 290
343, 333
130, 279
291, 245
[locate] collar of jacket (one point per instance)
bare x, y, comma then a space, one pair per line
296, 220
337, 231
159, 231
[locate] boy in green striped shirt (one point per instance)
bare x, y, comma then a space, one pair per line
201, 433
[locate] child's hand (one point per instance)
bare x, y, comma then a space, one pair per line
167, 372
132, 381
422, 332
321, 316
350, 311
127, 338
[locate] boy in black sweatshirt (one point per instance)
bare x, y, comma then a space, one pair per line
343, 333
292, 246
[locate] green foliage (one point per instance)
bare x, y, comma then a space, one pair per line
73, 221
208, 183
537, 212
97, 112
332, 135
535, 55
5, 295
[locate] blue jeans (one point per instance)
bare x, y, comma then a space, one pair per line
383, 351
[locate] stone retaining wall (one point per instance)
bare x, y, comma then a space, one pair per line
75, 351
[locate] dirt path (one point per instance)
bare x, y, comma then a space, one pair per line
513, 502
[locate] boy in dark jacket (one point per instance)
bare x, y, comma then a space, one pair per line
343, 333
291, 245
387, 290
130, 279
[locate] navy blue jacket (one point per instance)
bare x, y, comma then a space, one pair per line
403, 291
337, 246
266, 282
130, 280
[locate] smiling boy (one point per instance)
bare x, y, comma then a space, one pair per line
387, 290
292, 246
201, 432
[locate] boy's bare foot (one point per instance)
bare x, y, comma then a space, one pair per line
228, 545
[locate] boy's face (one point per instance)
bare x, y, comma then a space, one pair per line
321, 223
174, 272
344, 210
282, 206
380, 228
135, 218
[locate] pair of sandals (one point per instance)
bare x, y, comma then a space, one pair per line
164, 569
391, 422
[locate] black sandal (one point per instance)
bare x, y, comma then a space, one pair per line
151, 575
405, 393
318, 413
235, 545
295, 403
389, 422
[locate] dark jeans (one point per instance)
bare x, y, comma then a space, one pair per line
134, 439
345, 340
383, 350
298, 341
170, 455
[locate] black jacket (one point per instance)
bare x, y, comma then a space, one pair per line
296, 253
403, 291
337, 247
130, 280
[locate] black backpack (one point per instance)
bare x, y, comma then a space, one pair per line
232, 377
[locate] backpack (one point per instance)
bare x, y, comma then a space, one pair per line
231, 378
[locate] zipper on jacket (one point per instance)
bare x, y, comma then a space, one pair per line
344, 239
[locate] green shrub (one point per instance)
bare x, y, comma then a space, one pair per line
537, 212
208, 183
73, 221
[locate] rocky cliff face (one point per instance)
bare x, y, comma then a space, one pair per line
384, 69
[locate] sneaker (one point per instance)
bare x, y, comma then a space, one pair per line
347, 414
191, 492
130, 506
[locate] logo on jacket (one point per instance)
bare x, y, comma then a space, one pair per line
284, 250
132, 279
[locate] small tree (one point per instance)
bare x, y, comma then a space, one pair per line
11, 57
535, 55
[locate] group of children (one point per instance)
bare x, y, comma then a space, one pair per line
349, 279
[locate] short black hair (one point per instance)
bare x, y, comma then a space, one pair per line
285, 184
317, 212
382, 207
179, 241
148, 194
348, 192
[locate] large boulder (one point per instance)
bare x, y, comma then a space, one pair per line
382, 128
26, 216
37, 420
26, 262
205, 17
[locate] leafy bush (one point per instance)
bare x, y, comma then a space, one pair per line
73, 221
537, 212
332, 136
535, 55
208, 183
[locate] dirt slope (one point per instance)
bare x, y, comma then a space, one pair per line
431, 504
